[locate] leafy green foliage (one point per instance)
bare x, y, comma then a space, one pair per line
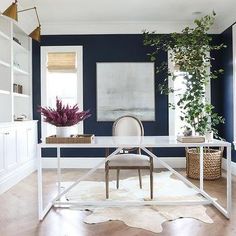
190, 52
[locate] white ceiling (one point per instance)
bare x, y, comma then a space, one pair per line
122, 16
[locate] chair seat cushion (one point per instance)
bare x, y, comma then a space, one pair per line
130, 160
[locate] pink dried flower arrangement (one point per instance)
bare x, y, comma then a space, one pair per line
63, 115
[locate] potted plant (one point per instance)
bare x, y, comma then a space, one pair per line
64, 117
190, 54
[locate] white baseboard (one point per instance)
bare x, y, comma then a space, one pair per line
82, 162
15, 176
233, 166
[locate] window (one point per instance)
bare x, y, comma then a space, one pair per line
175, 123
61, 77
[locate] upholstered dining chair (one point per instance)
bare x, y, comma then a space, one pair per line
130, 158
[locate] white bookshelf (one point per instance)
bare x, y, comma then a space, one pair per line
15, 68
4, 92
21, 95
3, 35
17, 139
18, 71
3, 63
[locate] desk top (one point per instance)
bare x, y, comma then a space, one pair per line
136, 141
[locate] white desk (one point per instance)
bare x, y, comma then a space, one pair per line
123, 142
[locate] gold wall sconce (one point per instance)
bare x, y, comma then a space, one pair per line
12, 12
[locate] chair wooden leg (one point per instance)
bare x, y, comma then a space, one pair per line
107, 181
117, 178
151, 182
140, 178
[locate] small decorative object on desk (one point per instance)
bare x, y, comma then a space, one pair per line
209, 136
190, 139
64, 117
187, 131
83, 138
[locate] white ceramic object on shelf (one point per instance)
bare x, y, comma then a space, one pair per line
65, 131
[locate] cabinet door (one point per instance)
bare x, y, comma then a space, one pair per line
31, 136
2, 150
11, 149
22, 145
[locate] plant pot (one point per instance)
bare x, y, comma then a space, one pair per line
65, 131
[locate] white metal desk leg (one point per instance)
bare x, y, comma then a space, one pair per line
201, 168
59, 170
229, 197
40, 183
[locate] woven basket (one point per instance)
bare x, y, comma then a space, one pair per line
83, 138
211, 162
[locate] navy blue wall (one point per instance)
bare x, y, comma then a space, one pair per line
104, 48
226, 93
222, 88
216, 85
129, 48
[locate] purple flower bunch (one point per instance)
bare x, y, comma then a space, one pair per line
63, 115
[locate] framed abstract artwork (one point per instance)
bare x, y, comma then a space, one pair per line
125, 88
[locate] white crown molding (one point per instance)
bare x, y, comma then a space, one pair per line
115, 27
225, 23
111, 27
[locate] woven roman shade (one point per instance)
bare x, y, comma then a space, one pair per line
61, 61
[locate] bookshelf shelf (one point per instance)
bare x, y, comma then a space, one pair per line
15, 71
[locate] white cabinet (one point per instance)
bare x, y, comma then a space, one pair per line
22, 145
17, 139
2, 148
10, 149
26, 143
18, 143
32, 142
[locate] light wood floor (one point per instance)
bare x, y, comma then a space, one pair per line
18, 213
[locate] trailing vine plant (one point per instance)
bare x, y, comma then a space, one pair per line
189, 51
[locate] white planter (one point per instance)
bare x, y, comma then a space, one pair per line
65, 131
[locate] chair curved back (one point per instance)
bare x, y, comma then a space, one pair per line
127, 126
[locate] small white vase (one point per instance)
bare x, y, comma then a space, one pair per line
65, 131
209, 136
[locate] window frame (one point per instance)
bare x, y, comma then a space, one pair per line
79, 59
171, 97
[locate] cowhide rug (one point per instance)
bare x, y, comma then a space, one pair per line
145, 217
